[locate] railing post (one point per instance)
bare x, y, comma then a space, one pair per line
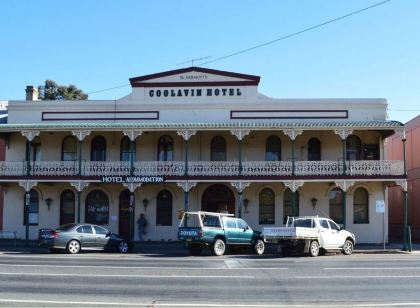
344, 156
293, 159
186, 144
240, 157
28, 157
132, 153
80, 157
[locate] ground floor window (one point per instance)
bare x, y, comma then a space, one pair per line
267, 206
67, 214
97, 208
31, 204
164, 208
336, 205
361, 206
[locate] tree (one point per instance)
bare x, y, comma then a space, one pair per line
52, 91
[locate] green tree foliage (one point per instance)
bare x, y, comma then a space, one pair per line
52, 91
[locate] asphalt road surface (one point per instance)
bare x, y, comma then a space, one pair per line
115, 280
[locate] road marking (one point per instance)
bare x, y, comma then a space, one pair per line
346, 276
371, 268
125, 275
144, 267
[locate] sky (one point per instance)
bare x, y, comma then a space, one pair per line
98, 45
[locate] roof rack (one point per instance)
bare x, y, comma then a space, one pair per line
209, 213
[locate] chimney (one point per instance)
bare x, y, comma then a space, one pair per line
31, 93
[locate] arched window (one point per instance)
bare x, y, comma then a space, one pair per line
287, 204
361, 206
69, 149
97, 208
126, 153
98, 149
353, 148
218, 149
336, 205
314, 149
67, 208
273, 149
36, 149
164, 208
165, 148
267, 207
33, 208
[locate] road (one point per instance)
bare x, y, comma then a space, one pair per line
91, 279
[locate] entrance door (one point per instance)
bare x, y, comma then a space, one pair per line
126, 199
218, 198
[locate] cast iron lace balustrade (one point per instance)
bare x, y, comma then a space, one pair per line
213, 168
100, 168
13, 168
375, 167
159, 168
261, 168
318, 168
54, 168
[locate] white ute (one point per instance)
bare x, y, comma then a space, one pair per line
310, 234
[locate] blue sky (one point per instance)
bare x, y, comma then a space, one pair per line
100, 44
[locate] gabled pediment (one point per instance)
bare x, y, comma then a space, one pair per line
194, 76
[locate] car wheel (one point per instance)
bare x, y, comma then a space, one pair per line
123, 247
73, 247
314, 249
219, 247
259, 247
347, 247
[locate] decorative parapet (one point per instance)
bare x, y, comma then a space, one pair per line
132, 134
240, 186
343, 133
30, 134
344, 185
186, 134
240, 133
294, 185
132, 186
79, 185
186, 185
292, 133
27, 185
81, 134
403, 184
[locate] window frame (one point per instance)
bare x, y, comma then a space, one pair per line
268, 210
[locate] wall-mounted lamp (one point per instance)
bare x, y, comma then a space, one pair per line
246, 202
145, 203
48, 202
314, 202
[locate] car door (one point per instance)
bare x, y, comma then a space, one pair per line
244, 232
86, 236
337, 235
230, 230
326, 234
102, 238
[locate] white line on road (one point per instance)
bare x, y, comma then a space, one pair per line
371, 268
346, 276
143, 267
125, 275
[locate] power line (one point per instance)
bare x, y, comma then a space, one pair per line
296, 33
271, 42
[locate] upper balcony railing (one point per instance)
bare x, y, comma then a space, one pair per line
203, 168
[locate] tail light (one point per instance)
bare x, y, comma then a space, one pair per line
54, 234
200, 233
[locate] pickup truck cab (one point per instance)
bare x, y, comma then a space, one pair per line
217, 231
310, 234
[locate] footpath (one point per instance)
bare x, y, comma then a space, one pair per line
176, 248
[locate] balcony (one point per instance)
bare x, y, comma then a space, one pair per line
203, 168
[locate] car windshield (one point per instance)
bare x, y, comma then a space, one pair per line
66, 227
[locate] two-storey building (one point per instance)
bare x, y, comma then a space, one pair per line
197, 139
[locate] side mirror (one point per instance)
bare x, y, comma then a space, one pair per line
108, 233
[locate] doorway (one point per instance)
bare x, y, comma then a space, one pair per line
218, 198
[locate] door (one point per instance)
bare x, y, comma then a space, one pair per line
219, 199
102, 238
244, 232
327, 235
86, 236
231, 233
335, 231
125, 220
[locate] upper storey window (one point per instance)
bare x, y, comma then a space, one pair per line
218, 149
273, 149
98, 149
126, 153
69, 149
314, 149
165, 148
354, 148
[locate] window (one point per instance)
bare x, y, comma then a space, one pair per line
353, 148
211, 221
218, 149
230, 223
84, 229
67, 208
273, 149
361, 206
334, 226
98, 149
267, 206
241, 224
97, 208
304, 223
100, 230
324, 224
165, 148
36, 149
314, 149
32, 208
126, 153
336, 205
69, 149
287, 204
164, 208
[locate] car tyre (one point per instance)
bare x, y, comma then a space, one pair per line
123, 247
219, 247
347, 247
73, 247
314, 249
259, 247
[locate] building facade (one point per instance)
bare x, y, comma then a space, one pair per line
196, 139
396, 197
